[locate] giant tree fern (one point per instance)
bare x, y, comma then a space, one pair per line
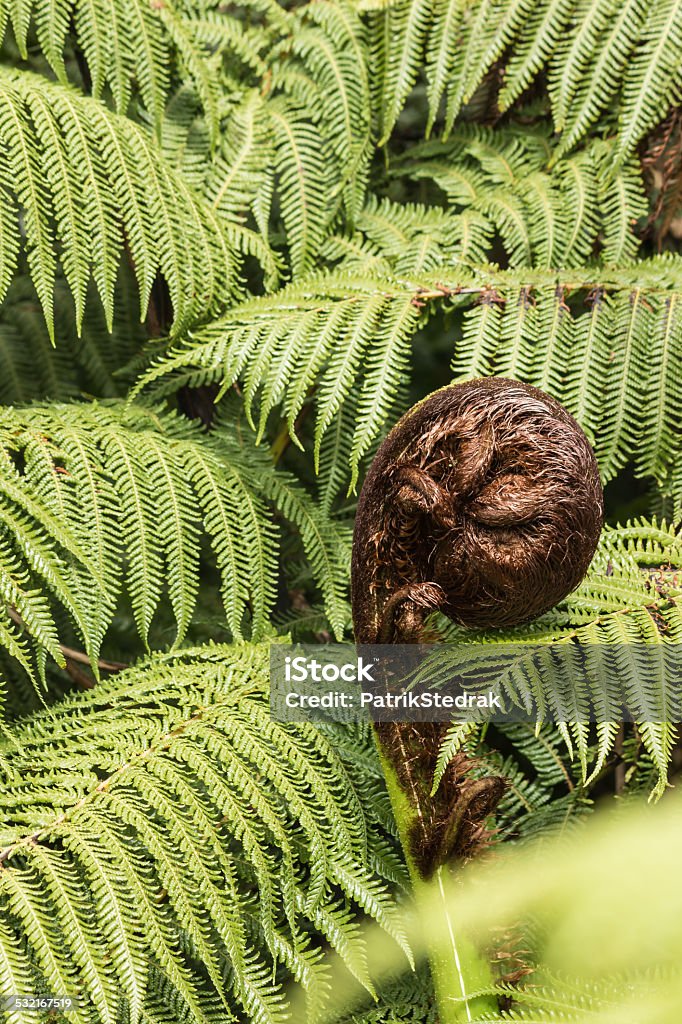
236, 241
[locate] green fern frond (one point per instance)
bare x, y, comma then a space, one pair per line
296, 145
304, 188
128, 46
541, 35
584, 79
409, 238
334, 451
570, 1000
333, 51
549, 218
82, 177
600, 57
487, 31
642, 542
341, 332
397, 36
544, 791
184, 140
407, 999
241, 176
328, 551
654, 76
129, 876
663, 388
31, 368
622, 608
136, 489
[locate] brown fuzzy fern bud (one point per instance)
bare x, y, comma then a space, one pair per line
484, 502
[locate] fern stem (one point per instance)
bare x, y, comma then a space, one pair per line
457, 968
70, 653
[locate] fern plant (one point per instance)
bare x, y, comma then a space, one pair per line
187, 853
236, 242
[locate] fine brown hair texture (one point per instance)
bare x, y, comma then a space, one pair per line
484, 502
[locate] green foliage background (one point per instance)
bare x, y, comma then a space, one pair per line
236, 242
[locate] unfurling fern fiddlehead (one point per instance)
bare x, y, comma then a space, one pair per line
484, 502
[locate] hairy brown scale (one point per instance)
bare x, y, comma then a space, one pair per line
484, 502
